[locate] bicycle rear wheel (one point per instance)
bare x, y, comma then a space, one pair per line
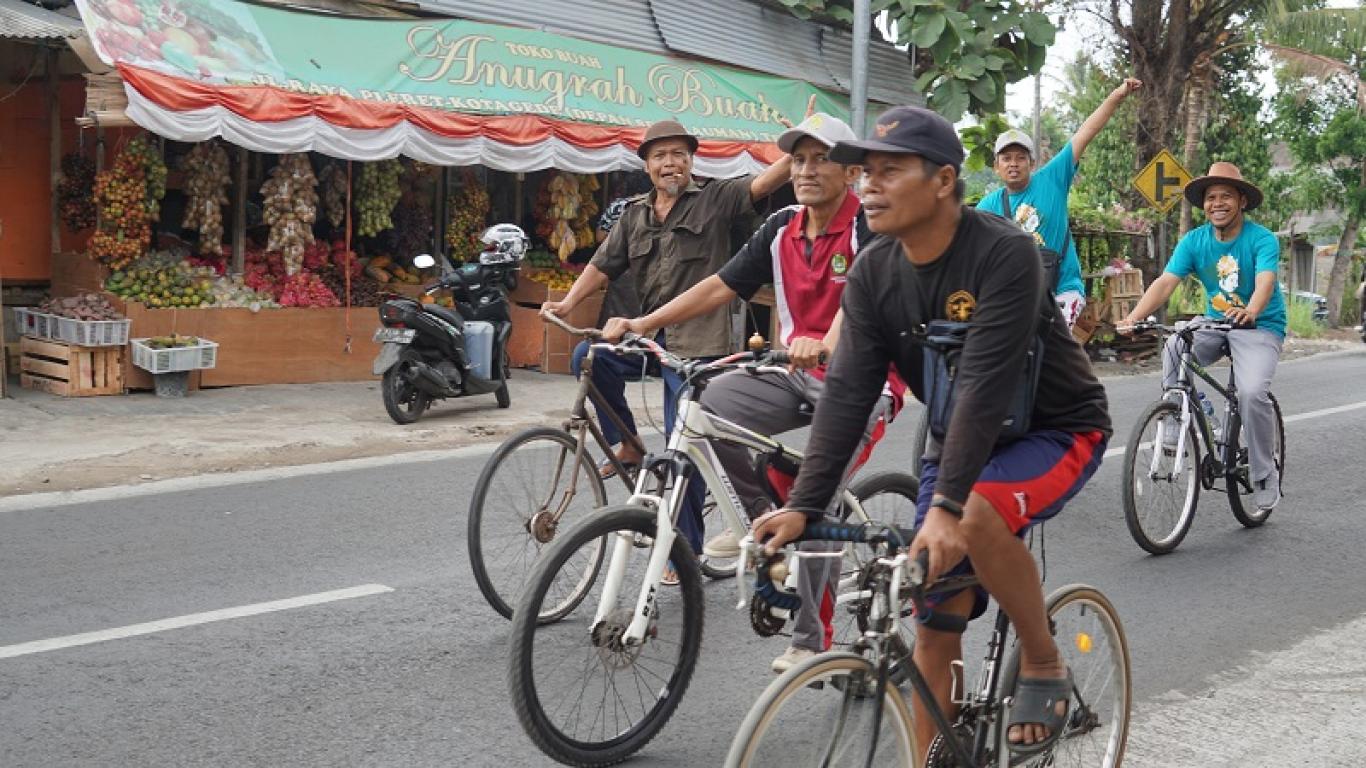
1091, 642
583, 696
887, 498
533, 484
1238, 481
1159, 504
814, 714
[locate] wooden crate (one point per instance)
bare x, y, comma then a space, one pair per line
1085, 327
535, 344
69, 370
1118, 309
1125, 285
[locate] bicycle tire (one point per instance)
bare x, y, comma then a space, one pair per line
1146, 528
1081, 647
826, 670
569, 638
867, 490
515, 465
1250, 516
922, 438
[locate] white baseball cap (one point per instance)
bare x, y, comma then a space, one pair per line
821, 127
1014, 136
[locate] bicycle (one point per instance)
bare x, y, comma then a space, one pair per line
638, 646
1164, 472
538, 475
841, 708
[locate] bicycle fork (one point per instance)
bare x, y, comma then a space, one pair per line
1182, 434
639, 626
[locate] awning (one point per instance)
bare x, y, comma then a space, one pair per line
26, 21
449, 92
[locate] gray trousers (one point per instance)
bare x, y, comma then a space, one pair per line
1255, 353
770, 404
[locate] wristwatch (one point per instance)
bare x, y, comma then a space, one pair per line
948, 505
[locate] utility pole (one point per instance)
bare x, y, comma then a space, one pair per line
858, 80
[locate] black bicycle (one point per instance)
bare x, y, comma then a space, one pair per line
1175, 451
847, 707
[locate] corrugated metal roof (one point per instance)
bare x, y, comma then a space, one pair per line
889, 71
744, 35
27, 21
627, 23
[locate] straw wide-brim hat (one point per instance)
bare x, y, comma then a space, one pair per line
1222, 173
666, 129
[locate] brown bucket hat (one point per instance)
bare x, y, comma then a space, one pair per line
1222, 173
666, 129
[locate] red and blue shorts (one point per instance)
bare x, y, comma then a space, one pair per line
1027, 481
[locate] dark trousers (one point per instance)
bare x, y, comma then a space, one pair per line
611, 372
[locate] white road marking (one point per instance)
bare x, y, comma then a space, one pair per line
200, 482
1119, 450
190, 620
1299, 706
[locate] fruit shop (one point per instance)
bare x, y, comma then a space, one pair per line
272, 186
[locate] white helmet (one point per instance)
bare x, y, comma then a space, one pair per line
503, 243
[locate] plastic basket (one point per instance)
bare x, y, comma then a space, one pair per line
203, 355
92, 333
38, 325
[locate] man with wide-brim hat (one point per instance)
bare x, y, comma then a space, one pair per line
1237, 260
937, 261
669, 240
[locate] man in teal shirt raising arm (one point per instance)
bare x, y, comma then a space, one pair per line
1038, 201
1236, 260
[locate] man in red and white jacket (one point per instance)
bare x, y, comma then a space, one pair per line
804, 251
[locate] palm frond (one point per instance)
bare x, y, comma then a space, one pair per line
1338, 33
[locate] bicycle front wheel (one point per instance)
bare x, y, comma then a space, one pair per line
1238, 481
534, 483
1159, 502
1091, 642
584, 695
816, 714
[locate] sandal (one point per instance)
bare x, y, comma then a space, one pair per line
1035, 702
669, 578
607, 470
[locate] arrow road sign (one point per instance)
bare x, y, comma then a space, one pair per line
1162, 180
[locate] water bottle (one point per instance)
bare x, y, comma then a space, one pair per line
1208, 408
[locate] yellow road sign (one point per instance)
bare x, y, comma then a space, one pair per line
1162, 180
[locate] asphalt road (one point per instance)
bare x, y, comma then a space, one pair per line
408, 668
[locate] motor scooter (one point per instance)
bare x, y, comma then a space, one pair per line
433, 352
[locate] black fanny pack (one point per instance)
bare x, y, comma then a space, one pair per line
942, 347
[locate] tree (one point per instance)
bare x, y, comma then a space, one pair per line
963, 53
1163, 40
1322, 112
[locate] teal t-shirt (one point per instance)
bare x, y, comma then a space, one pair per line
1041, 210
1228, 270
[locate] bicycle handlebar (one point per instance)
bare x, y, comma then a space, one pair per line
1185, 327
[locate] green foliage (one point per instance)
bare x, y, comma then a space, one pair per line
1299, 320
1105, 171
1188, 299
965, 53
979, 139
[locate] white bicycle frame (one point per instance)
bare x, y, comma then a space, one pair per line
693, 427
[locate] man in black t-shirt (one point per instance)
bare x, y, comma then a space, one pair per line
935, 259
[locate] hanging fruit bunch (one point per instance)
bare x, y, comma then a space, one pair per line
291, 205
565, 208
75, 192
206, 184
333, 182
141, 151
469, 216
377, 192
413, 217
125, 231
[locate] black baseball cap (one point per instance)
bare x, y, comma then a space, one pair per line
906, 130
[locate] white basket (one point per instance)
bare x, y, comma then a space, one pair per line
204, 355
92, 333
38, 325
